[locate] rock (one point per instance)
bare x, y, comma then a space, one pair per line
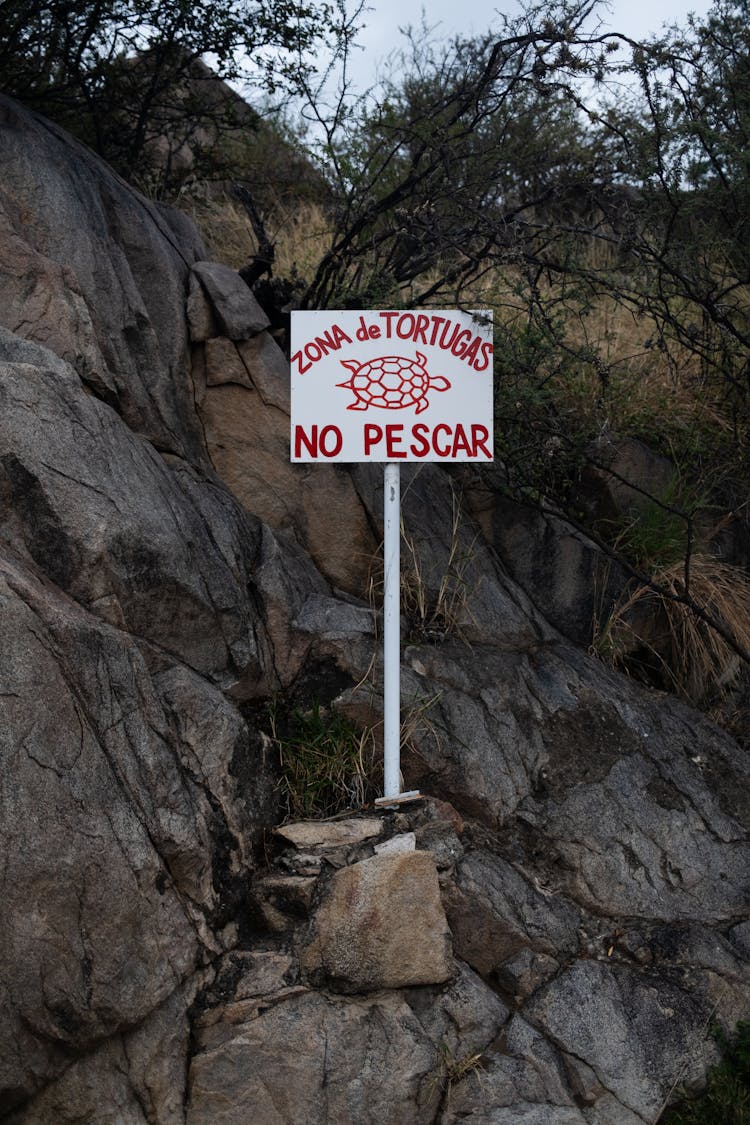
244, 975
525, 1083
740, 935
215, 747
247, 433
104, 517
330, 619
223, 363
313, 1060
215, 1028
94, 271
291, 894
699, 954
200, 312
447, 567
463, 1019
481, 694
495, 912
571, 580
439, 839
638, 1036
632, 475
607, 1108
330, 833
238, 314
316, 1058
604, 780
521, 975
443, 811
268, 369
116, 852
379, 925
396, 845
285, 580
654, 843
516, 1114
258, 364
137, 1077
304, 863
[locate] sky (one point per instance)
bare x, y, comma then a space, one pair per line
380, 36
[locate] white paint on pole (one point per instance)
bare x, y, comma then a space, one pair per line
391, 386
392, 630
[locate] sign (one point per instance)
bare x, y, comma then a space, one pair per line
391, 386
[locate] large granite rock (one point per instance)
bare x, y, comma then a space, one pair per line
135, 1077
314, 1060
106, 880
153, 548
99, 275
308, 1057
247, 433
135, 593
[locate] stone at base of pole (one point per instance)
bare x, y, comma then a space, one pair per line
399, 799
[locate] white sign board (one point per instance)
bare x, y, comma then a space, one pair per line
392, 386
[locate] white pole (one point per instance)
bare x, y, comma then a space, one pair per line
392, 630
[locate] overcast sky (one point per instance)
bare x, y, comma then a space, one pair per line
636, 18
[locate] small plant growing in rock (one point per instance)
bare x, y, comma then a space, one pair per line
453, 1069
438, 610
325, 760
435, 596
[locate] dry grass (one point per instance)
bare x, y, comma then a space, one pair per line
300, 231
418, 725
636, 382
695, 660
610, 369
435, 591
439, 608
225, 228
607, 363
452, 1070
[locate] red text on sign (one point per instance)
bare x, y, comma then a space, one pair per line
327, 442
444, 441
330, 341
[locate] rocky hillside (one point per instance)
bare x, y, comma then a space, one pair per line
546, 940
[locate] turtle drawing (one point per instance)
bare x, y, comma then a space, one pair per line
391, 382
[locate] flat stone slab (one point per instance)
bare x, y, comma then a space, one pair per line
330, 833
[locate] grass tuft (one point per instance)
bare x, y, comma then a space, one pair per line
325, 762
452, 1070
695, 660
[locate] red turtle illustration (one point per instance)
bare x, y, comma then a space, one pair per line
391, 382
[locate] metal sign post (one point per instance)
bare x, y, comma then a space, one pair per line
392, 639
392, 629
391, 385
